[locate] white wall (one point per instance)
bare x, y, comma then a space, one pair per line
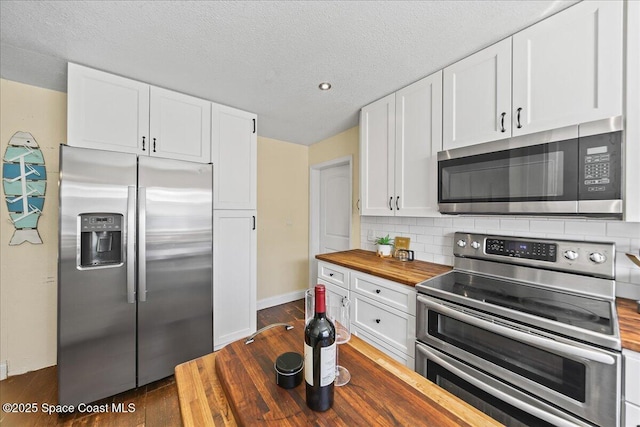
432, 238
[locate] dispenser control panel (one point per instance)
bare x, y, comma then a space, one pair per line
100, 222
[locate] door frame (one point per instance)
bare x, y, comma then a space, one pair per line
314, 209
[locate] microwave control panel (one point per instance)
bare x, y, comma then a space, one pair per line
600, 166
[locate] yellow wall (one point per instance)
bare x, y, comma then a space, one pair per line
335, 147
283, 218
28, 273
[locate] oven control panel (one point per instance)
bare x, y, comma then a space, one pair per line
582, 257
522, 249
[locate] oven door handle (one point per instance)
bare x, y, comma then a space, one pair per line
534, 340
513, 401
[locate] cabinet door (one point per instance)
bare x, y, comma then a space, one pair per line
180, 126
377, 145
477, 97
418, 140
106, 112
234, 157
234, 275
567, 69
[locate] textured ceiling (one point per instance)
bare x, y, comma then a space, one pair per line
267, 57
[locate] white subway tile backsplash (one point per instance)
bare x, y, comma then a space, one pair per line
624, 229
542, 226
464, 223
486, 223
587, 228
514, 224
432, 238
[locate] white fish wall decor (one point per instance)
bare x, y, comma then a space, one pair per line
24, 180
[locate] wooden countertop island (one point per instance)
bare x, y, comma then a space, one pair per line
236, 386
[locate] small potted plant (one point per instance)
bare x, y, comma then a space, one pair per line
385, 244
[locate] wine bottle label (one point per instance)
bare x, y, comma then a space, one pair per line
327, 364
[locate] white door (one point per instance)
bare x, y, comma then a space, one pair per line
477, 97
106, 112
377, 144
567, 69
234, 275
234, 157
180, 126
335, 208
418, 140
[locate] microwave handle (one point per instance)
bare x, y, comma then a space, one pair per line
524, 406
534, 340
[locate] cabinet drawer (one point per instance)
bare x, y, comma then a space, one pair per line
395, 328
396, 295
631, 375
393, 353
333, 273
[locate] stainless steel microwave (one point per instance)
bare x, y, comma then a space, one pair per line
576, 170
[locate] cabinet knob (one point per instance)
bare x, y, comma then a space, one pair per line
330, 274
154, 145
502, 123
143, 149
397, 200
378, 291
377, 320
390, 199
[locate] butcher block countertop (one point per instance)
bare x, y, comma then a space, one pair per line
629, 320
236, 386
407, 272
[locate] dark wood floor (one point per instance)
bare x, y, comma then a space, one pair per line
155, 404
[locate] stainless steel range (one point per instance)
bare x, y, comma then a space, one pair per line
525, 330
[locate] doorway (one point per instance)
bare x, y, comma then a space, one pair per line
329, 210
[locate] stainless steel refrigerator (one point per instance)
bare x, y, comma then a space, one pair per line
134, 270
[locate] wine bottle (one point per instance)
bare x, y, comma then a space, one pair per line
320, 355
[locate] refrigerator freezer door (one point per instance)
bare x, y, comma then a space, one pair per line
175, 314
96, 323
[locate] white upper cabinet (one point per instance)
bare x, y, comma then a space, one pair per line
477, 97
400, 136
562, 71
109, 112
418, 140
377, 147
106, 112
234, 157
567, 69
180, 126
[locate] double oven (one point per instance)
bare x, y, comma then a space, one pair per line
525, 330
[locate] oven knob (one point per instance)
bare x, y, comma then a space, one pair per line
597, 257
461, 243
475, 245
570, 255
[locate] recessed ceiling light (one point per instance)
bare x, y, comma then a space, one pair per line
324, 86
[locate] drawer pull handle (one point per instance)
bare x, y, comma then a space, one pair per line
377, 320
378, 291
330, 274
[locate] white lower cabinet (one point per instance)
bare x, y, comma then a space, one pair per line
234, 275
383, 312
631, 406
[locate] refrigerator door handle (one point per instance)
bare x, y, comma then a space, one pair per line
142, 244
131, 244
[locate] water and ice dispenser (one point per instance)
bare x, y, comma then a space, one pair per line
100, 240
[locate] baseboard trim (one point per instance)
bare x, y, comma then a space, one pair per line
280, 299
3, 371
